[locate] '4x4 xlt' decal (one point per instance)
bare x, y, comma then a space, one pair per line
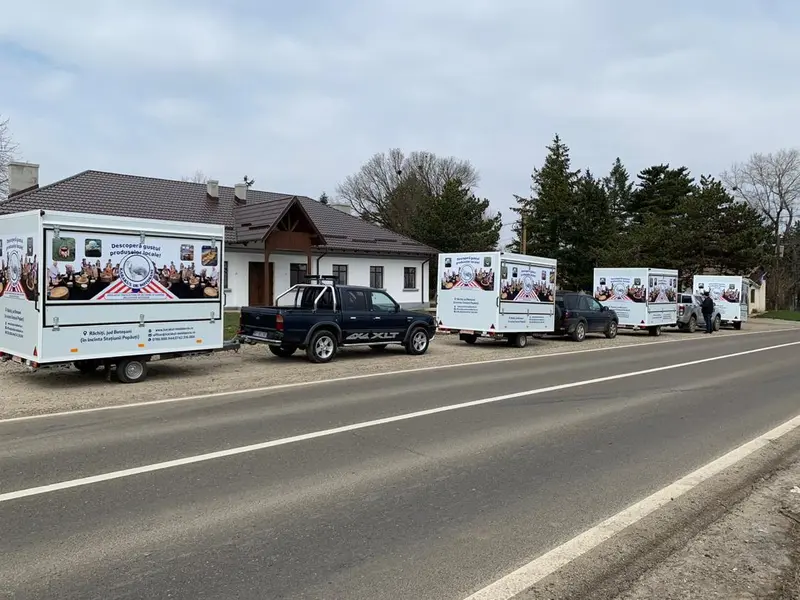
354, 337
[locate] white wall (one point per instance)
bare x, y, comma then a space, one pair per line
760, 298
358, 270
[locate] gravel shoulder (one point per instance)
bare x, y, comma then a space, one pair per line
752, 552
53, 390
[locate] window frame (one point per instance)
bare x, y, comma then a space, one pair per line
293, 268
374, 271
336, 269
412, 272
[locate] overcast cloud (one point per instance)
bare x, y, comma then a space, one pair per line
298, 97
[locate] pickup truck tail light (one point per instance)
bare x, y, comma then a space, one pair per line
279, 323
681, 309
567, 315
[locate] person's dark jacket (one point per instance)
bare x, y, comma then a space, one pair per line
707, 306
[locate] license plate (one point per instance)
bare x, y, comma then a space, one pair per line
16, 359
467, 331
261, 334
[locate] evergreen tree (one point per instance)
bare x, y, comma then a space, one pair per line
660, 192
592, 232
619, 188
549, 212
323, 198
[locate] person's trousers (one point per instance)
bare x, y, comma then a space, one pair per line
709, 323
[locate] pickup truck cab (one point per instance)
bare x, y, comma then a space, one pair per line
690, 314
322, 316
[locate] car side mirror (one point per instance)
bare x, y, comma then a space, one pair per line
397, 308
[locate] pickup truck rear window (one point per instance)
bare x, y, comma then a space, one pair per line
686, 299
310, 294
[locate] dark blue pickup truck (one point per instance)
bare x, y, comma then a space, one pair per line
320, 317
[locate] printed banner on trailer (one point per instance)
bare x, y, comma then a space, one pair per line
527, 283
119, 267
467, 272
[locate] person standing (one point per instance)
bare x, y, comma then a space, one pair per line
707, 308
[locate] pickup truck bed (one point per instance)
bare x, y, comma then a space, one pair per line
322, 318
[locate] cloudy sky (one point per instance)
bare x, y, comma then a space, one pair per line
299, 96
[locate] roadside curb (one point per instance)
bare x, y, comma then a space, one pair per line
616, 565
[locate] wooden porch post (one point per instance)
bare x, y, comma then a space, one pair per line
267, 284
308, 259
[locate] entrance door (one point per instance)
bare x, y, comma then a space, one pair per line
256, 282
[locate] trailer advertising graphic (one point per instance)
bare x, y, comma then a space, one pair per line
662, 289
527, 283
468, 271
19, 268
121, 267
620, 288
721, 291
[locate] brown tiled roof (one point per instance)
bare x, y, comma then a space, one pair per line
146, 197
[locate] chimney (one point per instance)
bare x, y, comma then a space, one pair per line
345, 208
22, 177
240, 191
212, 189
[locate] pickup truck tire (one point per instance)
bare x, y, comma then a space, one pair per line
131, 370
418, 342
736, 325
692, 325
579, 333
378, 347
87, 366
718, 323
322, 347
611, 330
282, 351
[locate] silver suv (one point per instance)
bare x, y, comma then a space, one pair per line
690, 315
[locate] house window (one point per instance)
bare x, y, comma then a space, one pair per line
752, 296
410, 278
297, 273
225, 275
376, 277
340, 272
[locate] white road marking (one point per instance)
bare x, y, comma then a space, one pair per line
530, 574
83, 481
285, 386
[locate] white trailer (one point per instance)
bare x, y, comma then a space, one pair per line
643, 298
731, 295
94, 290
496, 294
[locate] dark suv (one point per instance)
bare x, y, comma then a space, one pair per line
578, 314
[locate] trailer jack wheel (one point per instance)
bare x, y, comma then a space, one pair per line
131, 370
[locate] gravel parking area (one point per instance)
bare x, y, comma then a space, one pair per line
53, 390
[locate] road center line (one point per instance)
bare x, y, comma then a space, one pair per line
189, 460
297, 384
535, 571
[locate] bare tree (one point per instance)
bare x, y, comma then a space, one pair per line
197, 177
8, 149
369, 191
770, 183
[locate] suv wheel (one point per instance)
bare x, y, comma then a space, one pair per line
322, 347
611, 330
579, 333
692, 327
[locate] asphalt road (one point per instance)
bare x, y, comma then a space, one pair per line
432, 507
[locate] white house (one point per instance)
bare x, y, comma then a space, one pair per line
273, 240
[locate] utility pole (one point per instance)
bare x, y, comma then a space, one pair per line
524, 246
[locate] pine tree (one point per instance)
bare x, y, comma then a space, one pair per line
323, 198
549, 212
619, 188
593, 231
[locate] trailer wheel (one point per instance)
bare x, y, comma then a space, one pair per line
655, 331
87, 366
470, 338
282, 351
579, 333
418, 342
737, 325
131, 370
322, 347
518, 340
718, 323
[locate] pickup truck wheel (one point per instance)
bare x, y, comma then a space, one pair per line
611, 330
131, 370
378, 347
418, 342
736, 325
579, 333
692, 327
87, 366
718, 323
322, 347
282, 351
